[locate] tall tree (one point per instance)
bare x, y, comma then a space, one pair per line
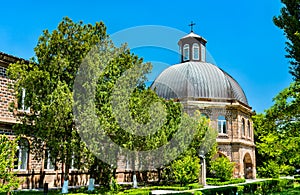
289, 22
48, 82
276, 132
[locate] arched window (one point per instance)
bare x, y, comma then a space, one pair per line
222, 125
249, 129
195, 51
243, 127
203, 53
22, 155
186, 52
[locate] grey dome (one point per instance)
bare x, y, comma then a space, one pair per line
197, 80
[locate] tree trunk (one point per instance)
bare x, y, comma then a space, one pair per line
66, 178
134, 180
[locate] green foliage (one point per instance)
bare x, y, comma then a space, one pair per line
269, 169
276, 135
289, 22
261, 187
276, 132
222, 168
186, 169
8, 149
218, 182
48, 80
114, 186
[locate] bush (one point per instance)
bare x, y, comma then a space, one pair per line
222, 168
8, 150
269, 169
218, 182
186, 169
262, 187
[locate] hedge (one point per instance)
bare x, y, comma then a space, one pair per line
260, 187
218, 182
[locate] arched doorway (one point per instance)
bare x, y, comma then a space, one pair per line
248, 166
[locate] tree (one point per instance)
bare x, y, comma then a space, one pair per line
276, 131
276, 134
222, 168
186, 170
289, 22
8, 150
48, 80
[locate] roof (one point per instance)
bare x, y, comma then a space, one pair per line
193, 35
6, 59
198, 80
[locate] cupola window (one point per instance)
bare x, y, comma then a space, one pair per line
195, 51
186, 52
203, 53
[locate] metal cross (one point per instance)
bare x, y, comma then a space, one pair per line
192, 25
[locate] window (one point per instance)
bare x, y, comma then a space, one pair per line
203, 53
128, 163
222, 125
195, 51
48, 161
21, 101
243, 127
204, 115
249, 129
22, 155
186, 52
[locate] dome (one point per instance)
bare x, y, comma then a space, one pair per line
197, 80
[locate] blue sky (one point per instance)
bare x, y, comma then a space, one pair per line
241, 35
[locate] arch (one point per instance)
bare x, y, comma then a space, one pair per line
243, 127
248, 166
220, 154
186, 52
195, 51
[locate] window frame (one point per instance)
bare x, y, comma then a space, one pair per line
22, 148
196, 46
186, 50
203, 53
249, 129
222, 125
48, 165
22, 106
243, 128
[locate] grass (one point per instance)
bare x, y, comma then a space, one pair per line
145, 190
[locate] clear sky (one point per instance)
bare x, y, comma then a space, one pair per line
241, 35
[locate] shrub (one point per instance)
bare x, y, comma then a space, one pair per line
8, 179
222, 168
269, 169
218, 182
186, 169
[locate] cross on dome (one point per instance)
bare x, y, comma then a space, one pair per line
192, 24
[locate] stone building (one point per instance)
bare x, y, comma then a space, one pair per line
203, 86
34, 173
199, 85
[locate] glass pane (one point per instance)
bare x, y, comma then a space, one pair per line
24, 157
224, 126
16, 163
